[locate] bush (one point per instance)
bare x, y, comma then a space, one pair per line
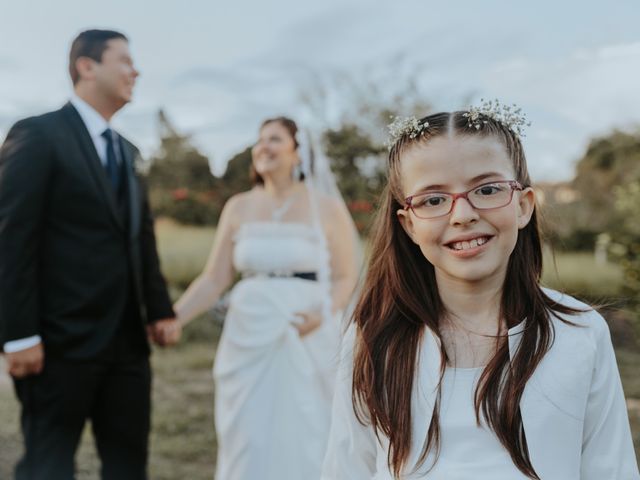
625, 242
185, 206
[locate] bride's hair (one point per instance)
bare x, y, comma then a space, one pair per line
292, 128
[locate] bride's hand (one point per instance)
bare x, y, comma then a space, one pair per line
311, 321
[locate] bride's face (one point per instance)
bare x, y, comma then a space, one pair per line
275, 152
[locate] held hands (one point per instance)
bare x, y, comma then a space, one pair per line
25, 362
310, 322
165, 332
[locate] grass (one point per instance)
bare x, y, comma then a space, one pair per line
183, 251
183, 436
579, 273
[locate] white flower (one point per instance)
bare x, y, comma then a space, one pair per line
510, 116
401, 126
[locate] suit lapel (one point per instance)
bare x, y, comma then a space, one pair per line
93, 161
132, 188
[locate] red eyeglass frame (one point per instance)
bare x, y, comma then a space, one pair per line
515, 185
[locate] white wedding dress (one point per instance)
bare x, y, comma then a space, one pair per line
273, 389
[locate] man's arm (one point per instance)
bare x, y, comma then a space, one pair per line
25, 170
165, 329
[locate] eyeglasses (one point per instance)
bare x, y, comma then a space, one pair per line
481, 197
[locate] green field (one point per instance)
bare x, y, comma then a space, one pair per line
580, 274
183, 439
183, 251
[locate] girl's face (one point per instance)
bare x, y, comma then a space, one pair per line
467, 245
275, 152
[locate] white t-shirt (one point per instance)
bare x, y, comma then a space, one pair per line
467, 451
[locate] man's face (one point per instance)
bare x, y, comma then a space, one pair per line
115, 75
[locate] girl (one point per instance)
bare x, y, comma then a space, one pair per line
458, 364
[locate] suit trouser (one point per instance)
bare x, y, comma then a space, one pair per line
114, 395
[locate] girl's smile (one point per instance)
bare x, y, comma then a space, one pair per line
470, 246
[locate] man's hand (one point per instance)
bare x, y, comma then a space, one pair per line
25, 362
165, 332
311, 321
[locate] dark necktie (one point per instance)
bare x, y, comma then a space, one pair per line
113, 170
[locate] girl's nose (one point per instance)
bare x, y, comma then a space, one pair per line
462, 212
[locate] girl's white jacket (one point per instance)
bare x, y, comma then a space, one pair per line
573, 409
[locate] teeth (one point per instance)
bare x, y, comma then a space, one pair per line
470, 244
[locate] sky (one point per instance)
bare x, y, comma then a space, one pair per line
219, 68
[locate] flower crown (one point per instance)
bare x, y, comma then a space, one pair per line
510, 116
401, 126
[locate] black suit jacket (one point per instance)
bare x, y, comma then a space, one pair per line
68, 262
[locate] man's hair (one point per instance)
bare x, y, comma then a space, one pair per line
91, 44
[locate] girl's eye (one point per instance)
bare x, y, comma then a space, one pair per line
432, 201
486, 190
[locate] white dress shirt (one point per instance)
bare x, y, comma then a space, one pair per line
96, 125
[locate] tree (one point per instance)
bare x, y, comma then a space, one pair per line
359, 169
181, 185
625, 241
355, 142
236, 176
609, 161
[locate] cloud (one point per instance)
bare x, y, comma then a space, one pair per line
231, 79
587, 93
8, 63
574, 70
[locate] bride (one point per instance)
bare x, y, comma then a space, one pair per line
294, 249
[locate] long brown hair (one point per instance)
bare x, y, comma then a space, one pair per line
400, 299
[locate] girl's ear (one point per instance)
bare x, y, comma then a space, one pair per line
407, 223
526, 205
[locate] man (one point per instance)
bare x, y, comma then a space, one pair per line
80, 282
